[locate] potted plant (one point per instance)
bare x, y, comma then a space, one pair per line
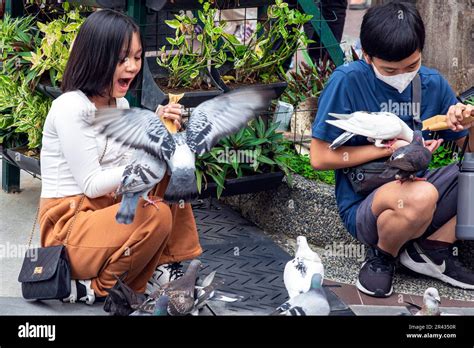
22, 116
17, 37
254, 159
184, 67
262, 59
49, 60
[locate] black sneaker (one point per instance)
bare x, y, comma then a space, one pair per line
376, 274
437, 260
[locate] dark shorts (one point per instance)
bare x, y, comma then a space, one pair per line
445, 179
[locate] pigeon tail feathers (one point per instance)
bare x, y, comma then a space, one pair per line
128, 206
182, 186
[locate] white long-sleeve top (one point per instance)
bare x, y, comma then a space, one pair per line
70, 151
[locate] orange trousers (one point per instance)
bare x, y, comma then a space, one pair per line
99, 248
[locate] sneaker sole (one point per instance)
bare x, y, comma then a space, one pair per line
371, 293
430, 270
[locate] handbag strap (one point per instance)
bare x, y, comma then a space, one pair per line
75, 212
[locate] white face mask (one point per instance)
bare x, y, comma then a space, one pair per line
400, 82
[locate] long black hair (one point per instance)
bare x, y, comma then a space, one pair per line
96, 52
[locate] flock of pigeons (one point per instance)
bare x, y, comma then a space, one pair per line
303, 278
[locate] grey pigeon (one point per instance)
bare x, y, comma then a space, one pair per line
406, 161
161, 306
180, 292
144, 132
312, 302
376, 126
206, 292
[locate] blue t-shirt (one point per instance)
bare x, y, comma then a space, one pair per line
354, 87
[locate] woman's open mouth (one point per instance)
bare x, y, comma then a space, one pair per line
124, 84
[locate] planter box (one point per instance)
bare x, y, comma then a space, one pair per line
245, 185
100, 3
153, 95
277, 87
18, 158
48, 91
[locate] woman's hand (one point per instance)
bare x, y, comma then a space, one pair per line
172, 112
456, 114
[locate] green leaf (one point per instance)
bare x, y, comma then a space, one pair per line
173, 23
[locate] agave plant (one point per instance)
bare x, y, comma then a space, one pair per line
255, 149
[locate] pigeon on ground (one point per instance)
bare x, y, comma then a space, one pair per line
180, 292
205, 292
161, 306
431, 302
299, 271
157, 149
406, 161
376, 126
312, 302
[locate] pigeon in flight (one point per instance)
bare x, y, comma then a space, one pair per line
376, 126
407, 160
156, 150
299, 271
312, 302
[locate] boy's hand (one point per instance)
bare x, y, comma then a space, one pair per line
456, 114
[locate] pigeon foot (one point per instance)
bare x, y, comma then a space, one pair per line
153, 203
418, 179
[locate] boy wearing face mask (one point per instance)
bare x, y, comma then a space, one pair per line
414, 221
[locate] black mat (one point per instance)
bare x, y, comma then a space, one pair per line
250, 263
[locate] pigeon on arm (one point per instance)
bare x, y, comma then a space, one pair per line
376, 126
158, 150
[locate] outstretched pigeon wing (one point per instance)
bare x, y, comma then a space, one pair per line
224, 115
136, 128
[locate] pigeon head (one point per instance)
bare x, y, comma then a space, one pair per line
316, 281
431, 295
418, 138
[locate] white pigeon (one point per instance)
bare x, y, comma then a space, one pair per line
298, 271
155, 149
311, 302
376, 126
